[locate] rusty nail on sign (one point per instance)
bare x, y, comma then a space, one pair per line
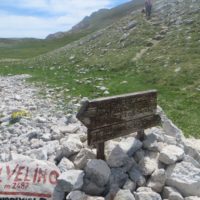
112, 117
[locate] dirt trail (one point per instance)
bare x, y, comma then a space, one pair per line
144, 50
152, 41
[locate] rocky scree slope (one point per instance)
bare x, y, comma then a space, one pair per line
164, 165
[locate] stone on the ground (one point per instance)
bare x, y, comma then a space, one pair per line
192, 198
94, 198
76, 195
152, 138
171, 194
170, 140
109, 146
136, 176
58, 194
146, 194
192, 148
171, 129
65, 164
190, 159
40, 154
157, 180
71, 128
117, 157
69, 148
40, 119
52, 147
130, 25
71, 180
139, 155
91, 188
171, 154
185, 177
148, 166
130, 145
82, 158
129, 185
118, 177
124, 195
98, 171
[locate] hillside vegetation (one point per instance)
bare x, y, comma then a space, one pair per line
128, 54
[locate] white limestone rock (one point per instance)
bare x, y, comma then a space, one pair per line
40, 119
69, 148
124, 195
52, 147
40, 154
190, 159
82, 158
152, 138
71, 180
171, 154
171, 194
146, 194
76, 195
192, 148
185, 177
65, 165
130, 145
157, 180
94, 198
71, 128
192, 198
148, 165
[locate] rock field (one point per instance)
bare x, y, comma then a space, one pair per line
164, 165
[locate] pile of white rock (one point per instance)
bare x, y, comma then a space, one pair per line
163, 165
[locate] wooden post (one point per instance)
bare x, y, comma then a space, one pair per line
140, 134
100, 151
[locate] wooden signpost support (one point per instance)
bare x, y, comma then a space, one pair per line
112, 117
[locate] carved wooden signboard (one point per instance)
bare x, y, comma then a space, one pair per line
112, 117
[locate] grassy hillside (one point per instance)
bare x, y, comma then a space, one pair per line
130, 55
30, 47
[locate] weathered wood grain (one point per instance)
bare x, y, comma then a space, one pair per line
121, 129
111, 117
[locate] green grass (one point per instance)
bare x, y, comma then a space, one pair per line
28, 48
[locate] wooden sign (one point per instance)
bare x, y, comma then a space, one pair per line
112, 117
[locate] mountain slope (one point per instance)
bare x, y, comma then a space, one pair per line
129, 55
102, 18
30, 47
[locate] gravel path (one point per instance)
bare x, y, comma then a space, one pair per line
39, 123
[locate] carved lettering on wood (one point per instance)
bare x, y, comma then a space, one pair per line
112, 117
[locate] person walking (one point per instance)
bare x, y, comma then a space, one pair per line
148, 8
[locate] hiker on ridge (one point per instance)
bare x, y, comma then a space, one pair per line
148, 7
